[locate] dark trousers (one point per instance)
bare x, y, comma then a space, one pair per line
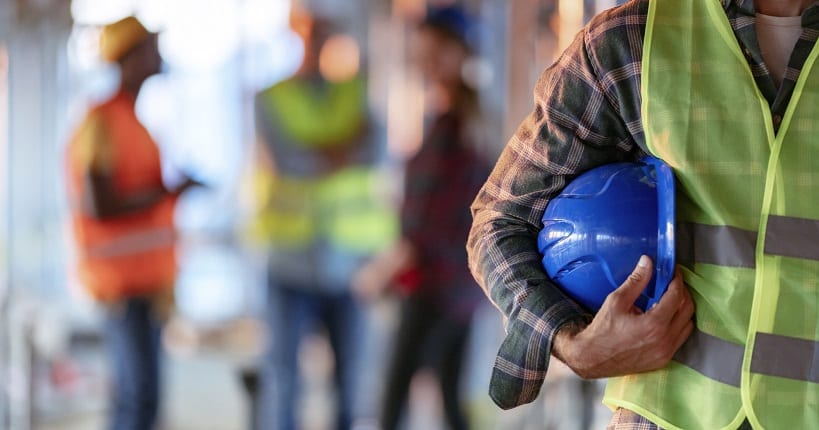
425, 336
133, 334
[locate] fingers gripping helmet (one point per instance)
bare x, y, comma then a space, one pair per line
595, 231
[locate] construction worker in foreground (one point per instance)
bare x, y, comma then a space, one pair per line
122, 216
726, 93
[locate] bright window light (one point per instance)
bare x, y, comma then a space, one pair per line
200, 35
262, 19
571, 19
99, 12
84, 46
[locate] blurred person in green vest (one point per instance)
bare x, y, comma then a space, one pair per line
321, 216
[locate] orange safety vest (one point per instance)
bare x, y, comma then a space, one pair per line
131, 254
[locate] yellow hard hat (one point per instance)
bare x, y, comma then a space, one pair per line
120, 37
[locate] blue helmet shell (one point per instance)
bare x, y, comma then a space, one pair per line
595, 231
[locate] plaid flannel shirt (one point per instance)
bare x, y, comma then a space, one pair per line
586, 113
440, 181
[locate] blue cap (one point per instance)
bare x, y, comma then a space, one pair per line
595, 231
454, 21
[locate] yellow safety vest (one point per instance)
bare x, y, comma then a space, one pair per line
348, 208
748, 237
315, 117
345, 208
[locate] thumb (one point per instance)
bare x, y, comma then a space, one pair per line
628, 292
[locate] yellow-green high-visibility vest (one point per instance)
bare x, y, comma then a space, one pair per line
349, 208
345, 207
355, 209
318, 116
748, 238
287, 214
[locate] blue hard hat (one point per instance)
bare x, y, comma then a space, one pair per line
595, 231
456, 22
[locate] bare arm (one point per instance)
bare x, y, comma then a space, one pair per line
101, 200
621, 339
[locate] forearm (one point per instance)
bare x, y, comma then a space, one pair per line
574, 127
564, 337
504, 260
103, 201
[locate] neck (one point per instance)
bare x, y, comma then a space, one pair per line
131, 87
782, 7
308, 69
131, 80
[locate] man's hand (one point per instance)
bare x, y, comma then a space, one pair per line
621, 339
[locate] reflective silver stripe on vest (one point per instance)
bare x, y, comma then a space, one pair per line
715, 244
133, 243
786, 357
773, 355
713, 357
792, 237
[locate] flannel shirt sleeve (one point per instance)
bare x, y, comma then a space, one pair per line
576, 125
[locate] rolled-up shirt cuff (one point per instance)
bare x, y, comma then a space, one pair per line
523, 358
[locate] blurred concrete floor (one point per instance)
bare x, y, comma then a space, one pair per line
203, 389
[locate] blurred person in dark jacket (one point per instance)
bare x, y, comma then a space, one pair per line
429, 263
122, 216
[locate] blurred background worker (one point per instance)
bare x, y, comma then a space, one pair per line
439, 295
321, 216
123, 223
